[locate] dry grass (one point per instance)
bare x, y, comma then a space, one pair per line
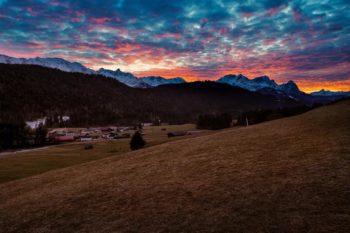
288, 175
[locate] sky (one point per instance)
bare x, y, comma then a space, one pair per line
307, 41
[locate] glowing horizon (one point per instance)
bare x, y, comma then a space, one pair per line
305, 41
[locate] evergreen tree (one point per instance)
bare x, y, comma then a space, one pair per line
137, 141
40, 135
13, 135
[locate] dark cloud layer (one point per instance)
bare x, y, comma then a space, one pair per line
307, 40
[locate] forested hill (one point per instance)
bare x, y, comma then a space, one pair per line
29, 92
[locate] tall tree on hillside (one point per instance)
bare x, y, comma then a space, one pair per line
137, 141
40, 135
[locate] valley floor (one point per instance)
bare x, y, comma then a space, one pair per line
287, 175
28, 162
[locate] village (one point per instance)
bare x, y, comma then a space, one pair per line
61, 135
86, 134
89, 134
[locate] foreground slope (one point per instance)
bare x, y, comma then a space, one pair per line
288, 175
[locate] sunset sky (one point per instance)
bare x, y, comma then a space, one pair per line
306, 41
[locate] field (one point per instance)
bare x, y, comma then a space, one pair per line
24, 164
287, 175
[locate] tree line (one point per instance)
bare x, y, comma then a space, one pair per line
214, 121
93, 100
18, 135
260, 115
225, 120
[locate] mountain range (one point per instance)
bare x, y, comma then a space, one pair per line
331, 93
30, 92
262, 84
64, 65
56, 63
132, 81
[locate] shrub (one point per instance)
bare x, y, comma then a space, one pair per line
137, 141
88, 147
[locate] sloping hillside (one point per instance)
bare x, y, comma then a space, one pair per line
288, 175
29, 92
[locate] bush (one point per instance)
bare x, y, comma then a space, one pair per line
137, 141
88, 147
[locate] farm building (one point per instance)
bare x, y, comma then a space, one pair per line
65, 138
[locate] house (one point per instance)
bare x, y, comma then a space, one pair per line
35, 124
86, 139
106, 129
61, 135
123, 135
65, 118
88, 132
147, 124
65, 138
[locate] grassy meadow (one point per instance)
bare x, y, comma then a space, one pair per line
27, 163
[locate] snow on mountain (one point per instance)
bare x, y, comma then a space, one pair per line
56, 63
265, 85
249, 84
132, 81
263, 82
61, 64
157, 80
123, 77
236, 80
290, 88
10, 60
330, 93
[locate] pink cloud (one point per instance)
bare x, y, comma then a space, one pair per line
20, 53
168, 35
78, 17
223, 30
101, 20
268, 41
55, 3
273, 11
247, 14
297, 15
31, 12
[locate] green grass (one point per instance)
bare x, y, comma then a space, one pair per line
24, 164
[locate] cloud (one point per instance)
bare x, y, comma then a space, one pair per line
194, 39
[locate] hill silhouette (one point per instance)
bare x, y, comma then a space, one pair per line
30, 92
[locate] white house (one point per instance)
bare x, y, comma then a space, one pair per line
35, 124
